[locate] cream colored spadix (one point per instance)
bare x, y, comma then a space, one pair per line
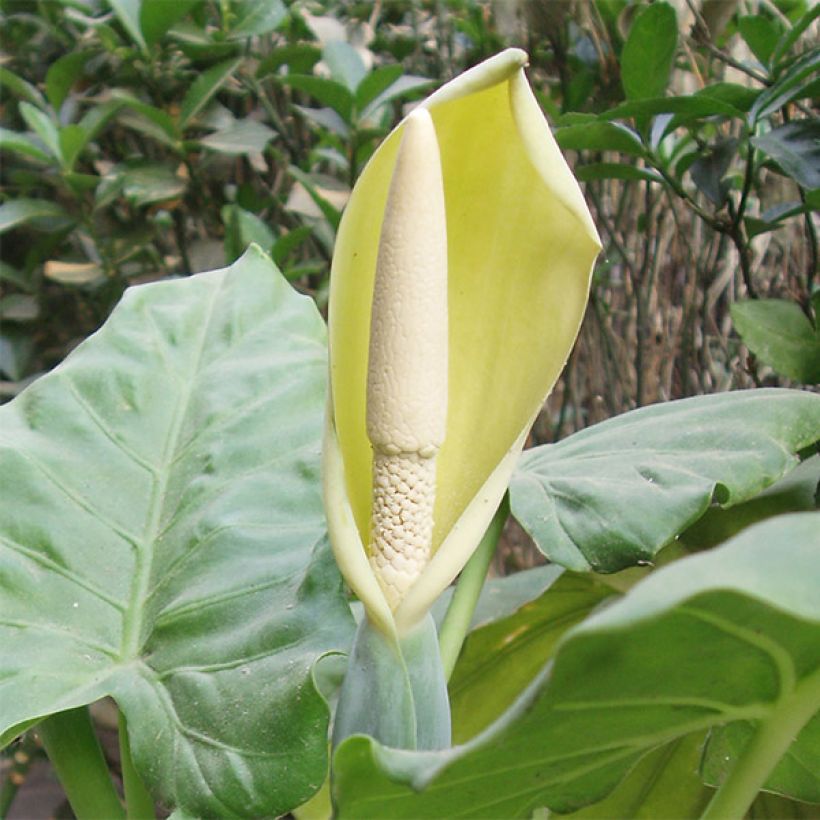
520, 247
407, 363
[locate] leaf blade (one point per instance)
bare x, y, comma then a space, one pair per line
171, 551
616, 493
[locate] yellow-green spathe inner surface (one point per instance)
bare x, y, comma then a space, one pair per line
519, 258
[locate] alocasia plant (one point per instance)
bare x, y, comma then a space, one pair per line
162, 538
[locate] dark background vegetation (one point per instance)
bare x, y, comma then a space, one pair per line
142, 140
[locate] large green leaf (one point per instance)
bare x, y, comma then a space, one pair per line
664, 784
162, 540
616, 493
501, 659
724, 636
780, 335
799, 491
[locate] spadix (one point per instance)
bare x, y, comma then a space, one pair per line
407, 364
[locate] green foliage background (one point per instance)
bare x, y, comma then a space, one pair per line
153, 139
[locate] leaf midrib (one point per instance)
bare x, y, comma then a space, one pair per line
134, 618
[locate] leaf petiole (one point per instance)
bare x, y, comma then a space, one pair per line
74, 751
459, 613
766, 748
138, 802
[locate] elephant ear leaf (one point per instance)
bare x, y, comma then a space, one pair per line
162, 540
614, 494
724, 644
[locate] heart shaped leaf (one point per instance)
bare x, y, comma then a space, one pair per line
639, 674
162, 540
614, 494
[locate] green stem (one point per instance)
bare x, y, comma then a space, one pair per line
76, 756
460, 612
764, 751
138, 802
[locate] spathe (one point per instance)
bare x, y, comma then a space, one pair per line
521, 245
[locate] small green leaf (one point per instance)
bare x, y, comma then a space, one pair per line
62, 74
793, 84
243, 228
22, 144
793, 34
773, 218
600, 136
147, 183
22, 89
288, 242
162, 540
330, 213
636, 675
345, 64
16, 352
375, 83
795, 147
72, 141
614, 494
155, 115
649, 52
325, 118
327, 92
740, 97
242, 137
257, 18
614, 170
761, 34
41, 214
156, 17
781, 336
204, 88
403, 87
19, 278
42, 125
128, 13
710, 167
694, 107
298, 57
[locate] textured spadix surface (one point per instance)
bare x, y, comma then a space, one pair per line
520, 246
407, 362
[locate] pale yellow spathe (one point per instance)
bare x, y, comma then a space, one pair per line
520, 249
